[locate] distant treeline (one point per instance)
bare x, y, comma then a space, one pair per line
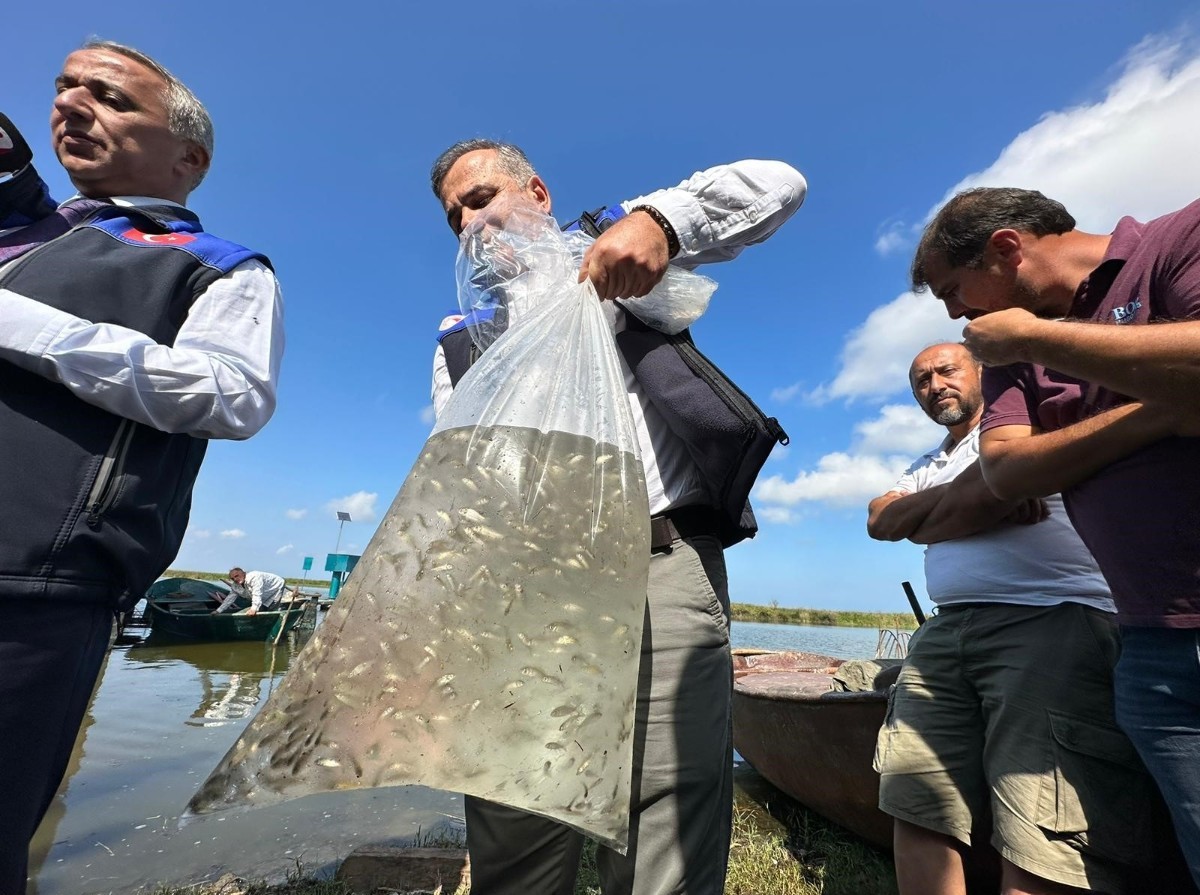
749, 612
306, 583
742, 612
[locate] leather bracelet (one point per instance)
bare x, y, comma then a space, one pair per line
667, 229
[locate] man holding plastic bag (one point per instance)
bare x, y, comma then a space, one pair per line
701, 443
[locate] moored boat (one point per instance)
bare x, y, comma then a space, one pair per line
182, 609
812, 739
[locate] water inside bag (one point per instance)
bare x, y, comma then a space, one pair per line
487, 642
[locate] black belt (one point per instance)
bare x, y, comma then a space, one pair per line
684, 522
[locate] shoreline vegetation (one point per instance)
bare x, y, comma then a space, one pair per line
772, 613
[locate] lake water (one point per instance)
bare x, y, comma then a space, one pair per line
162, 718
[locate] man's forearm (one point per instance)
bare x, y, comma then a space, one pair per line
1018, 462
966, 507
1152, 362
894, 516
957, 509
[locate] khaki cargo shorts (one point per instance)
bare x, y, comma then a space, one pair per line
1008, 710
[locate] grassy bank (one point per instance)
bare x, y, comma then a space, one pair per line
742, 612
749, 612
777, 849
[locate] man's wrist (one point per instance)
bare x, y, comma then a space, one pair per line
665, 225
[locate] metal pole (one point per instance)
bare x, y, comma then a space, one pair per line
338, 545
913, 602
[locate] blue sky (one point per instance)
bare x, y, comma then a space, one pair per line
327, 119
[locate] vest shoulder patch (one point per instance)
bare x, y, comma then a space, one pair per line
212, 251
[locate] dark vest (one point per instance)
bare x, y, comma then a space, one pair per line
726, 435
92, 505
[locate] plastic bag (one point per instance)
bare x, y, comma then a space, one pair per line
488, 640
495, 275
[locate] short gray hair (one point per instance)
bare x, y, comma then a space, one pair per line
186, 116
513, 161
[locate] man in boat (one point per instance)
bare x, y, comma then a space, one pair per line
1003, 708
130, 338
1085, 398
682, 776
263, 590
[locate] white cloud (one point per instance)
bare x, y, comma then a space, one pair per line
200, 533
840, 479
899, 429
286, 548
233, 533
296, 514
882, 449
1130, 153
877, 354
895, 237
360, 505
786, 393
428, 415
775, 515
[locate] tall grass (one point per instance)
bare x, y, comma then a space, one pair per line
750, 612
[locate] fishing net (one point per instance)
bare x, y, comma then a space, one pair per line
488, 640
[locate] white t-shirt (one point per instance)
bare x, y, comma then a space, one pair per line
1033, 565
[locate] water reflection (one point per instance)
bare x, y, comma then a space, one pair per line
160, 719
231, 675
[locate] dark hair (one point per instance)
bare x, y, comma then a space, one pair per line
960, 231
513, 161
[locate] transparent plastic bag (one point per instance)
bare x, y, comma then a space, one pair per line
514, 253
488, 640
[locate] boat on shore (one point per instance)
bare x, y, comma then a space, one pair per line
796, 721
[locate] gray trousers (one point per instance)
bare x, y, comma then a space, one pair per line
682, 758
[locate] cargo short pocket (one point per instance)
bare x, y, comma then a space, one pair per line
884, 738
1098, 792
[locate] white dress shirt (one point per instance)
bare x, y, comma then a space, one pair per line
217, 380
262, 588
715, 213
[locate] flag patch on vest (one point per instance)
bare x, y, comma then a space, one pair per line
171, 239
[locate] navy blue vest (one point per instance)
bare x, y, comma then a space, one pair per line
92, 505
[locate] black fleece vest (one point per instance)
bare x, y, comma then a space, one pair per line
726, 435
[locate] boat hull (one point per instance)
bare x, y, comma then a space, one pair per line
814, 744
178, 623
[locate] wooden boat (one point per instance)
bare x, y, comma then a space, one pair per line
182, 609
812, 741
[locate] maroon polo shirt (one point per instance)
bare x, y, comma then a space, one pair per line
1140, 516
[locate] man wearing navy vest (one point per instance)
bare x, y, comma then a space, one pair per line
693, 446
130, 338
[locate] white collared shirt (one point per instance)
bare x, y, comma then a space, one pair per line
715, 213
1031, 565
217, 380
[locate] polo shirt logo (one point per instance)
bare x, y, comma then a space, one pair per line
1126, 314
